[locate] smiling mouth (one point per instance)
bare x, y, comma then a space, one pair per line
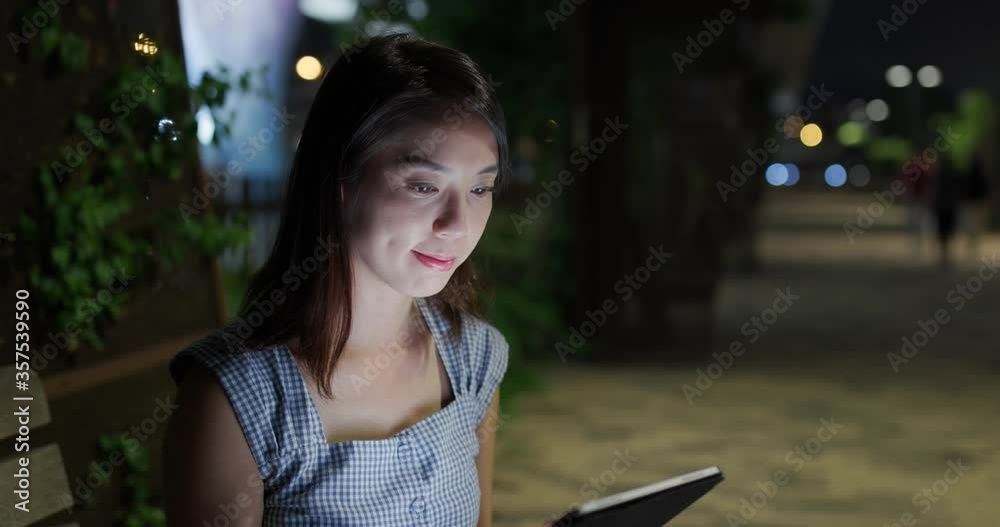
433, 262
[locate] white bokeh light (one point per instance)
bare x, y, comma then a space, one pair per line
877, 110
417, 9
329, 10
929, 76
898, 76
206, 125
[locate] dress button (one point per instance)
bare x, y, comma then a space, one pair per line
403, 449
417, 506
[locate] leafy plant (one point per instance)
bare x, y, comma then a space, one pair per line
96, 225
136, 507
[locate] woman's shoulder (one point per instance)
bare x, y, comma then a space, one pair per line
254, 383
477, 348
485, 355
485, 339
224, 353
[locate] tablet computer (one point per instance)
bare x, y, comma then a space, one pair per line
648, 506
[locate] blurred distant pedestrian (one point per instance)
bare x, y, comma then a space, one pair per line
917, 179
947, 192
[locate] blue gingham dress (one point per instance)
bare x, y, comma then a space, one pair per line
423, 475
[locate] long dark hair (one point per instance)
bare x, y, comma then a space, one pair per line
371, 92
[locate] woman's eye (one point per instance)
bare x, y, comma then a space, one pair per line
482, 190
422, 189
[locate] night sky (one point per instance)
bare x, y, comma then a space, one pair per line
960, 37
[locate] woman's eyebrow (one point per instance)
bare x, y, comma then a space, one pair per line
417, 161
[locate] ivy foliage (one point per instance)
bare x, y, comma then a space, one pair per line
109, 212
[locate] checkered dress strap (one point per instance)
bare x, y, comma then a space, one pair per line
257, 382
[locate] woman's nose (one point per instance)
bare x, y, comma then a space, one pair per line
452, 221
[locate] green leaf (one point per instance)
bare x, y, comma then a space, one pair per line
134, 520
49, 38
137, 458
174, 172
141, 492
105, 273
105, 443
83, 121
116, 162
89, 336
60, 256
156, 154
73, 52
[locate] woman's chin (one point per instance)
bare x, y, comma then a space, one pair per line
427, 286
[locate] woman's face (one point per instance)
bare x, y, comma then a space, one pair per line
423, 204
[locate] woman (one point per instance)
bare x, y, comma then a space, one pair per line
359, 383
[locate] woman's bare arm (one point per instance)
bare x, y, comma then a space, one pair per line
486, 435
208, 469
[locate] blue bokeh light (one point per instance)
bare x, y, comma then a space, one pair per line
793, 174
835, 175
776, 174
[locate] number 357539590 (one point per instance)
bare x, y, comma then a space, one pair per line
21, 336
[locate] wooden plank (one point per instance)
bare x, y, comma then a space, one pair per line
49, 489
38, 407
67, 383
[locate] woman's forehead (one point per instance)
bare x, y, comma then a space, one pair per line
427, 142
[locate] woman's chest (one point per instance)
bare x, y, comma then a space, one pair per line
377, 399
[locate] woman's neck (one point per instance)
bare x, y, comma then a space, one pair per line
382, 321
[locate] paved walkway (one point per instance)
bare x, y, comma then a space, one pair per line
821, 365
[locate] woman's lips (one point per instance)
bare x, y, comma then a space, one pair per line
437, 264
